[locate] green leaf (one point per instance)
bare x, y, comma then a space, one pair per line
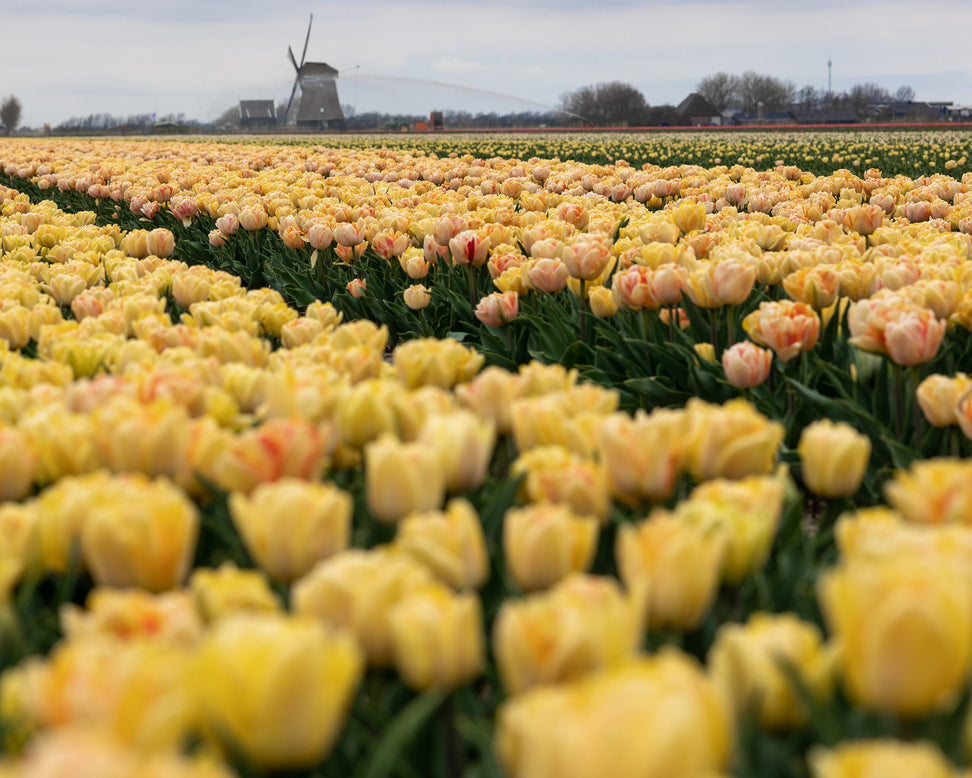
399, 734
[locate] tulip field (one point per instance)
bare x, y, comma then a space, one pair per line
487, 456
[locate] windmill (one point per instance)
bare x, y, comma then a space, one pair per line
313, 100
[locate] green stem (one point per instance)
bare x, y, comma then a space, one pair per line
731, 324
471, 280
917, 420
454, 760
583, 311
714, 333
898, 381
646, 324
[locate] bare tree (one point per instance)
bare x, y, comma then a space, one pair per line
756, 88
905, 94
607, 104
862, 97
10, 113
809, 97
720, 89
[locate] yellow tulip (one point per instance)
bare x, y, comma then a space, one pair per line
582, 625
276, 689
834, 457
289, 525
887, 758
437, 637
450, 542
357, 590
656, 717
904, 628
747, 660
675, 566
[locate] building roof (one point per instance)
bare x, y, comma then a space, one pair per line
695, 105
824, 116
251, 110
317, 69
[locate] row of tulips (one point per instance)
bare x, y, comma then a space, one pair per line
209, 408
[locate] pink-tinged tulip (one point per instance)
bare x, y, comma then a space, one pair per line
667, 284
786, 327
918, 211
909, 334
587, 259
632, 289
253, 218
732, 280
160, 242
292, 238
863, 219
348, 234
434, 251
319, 235
548, 275
216, 238
746, 364
913, 337
357, 287
498, 309
447, 228
228, 224
389, 244
469, 248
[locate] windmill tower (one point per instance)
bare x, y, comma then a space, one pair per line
313, 103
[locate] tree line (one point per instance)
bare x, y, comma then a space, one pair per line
617, 103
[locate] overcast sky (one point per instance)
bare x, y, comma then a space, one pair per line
65, 58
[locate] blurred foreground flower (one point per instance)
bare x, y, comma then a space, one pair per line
657, 717
277, 689
834, 458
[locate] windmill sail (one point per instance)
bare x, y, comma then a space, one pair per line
314, 90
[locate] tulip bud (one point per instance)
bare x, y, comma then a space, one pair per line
644, 455
730, 441
498, 309
603, 304
833, 457
788, 328
554, 474
401, 478
544, 543
451, 543
417, 297
437, 638
746, 364
464, 445
675, 566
